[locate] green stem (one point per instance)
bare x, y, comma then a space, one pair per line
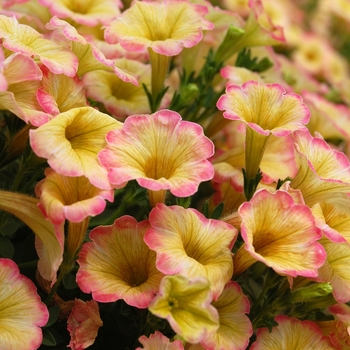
64, 269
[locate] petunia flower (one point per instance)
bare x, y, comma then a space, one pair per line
185, 303
120, 98
278, 161
266, 109
89, 13
281, 234
158, 341
72, 198
26, 40
89, 56
21, 311
187, 243
333, 221
235, 327
336, 269
337, 330
70, 143
83, 324
23, 77
137, 151
117, 264
165, 28
324, 173
51, 238
330, 120
292, 333
60, 93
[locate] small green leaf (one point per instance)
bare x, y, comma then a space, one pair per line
217, 211
6, 247
69, 281
53, 315
48, 338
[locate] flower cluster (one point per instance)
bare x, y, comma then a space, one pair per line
175, 174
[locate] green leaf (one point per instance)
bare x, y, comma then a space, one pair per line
69, 281
6, 247
48, 338
53, 315
217, 211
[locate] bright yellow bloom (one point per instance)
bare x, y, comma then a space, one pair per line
185, 303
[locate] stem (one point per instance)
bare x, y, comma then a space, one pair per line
242, 260
160, 66
65, 268
156, 197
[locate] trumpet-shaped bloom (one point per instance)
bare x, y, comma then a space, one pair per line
185, 303
90, 13
89, 56
26, 40
336, 269
266, 109
51, 238
83, 324
280, 233
21, 311
166, 27
70, 143
187, 243
324, 173
160, 151
117, 264
121, 99
72, 198
235, 327
158, 341
292, 333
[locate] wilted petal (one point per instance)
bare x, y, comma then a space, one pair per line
158, 341
83, 324
137, 151
70, 142
191, 245
185, 303
280, 233
292, 333
21, 311
117, 264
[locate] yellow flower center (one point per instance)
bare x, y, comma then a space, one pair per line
173, 303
